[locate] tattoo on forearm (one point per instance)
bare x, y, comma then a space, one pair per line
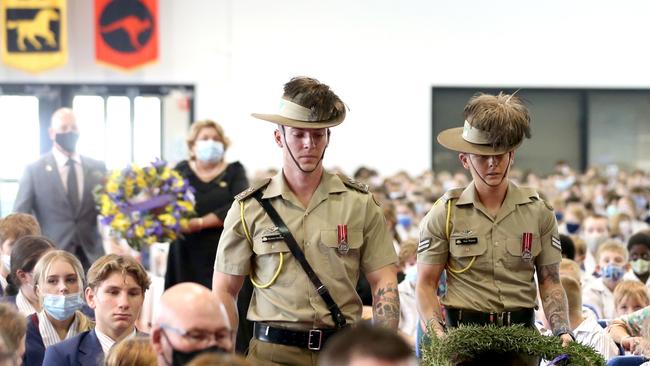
549, 273
386, 306
553, 297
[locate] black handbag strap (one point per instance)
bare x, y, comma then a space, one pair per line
335, 311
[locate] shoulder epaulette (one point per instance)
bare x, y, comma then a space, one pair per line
532, 194
252, 189
356, 185
548, 205
529, 192
451, 194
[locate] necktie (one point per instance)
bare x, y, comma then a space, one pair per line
73, 186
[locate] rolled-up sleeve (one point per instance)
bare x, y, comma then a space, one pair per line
378, 247
433, 245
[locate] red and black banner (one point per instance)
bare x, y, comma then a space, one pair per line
126, 32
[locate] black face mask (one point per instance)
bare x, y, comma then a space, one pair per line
180, 358
67, 140
183, 358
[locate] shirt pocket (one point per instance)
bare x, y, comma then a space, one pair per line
268, 257
468, 250
339, 264
515, 253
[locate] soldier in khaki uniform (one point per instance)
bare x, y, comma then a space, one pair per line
491, 236
335, 222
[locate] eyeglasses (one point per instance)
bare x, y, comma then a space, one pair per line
200, 337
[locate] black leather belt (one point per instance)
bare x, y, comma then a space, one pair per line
456, 317
313, 339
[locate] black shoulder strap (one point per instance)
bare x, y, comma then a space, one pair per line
337, 316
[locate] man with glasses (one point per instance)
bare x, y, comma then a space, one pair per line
491, 236
192, 320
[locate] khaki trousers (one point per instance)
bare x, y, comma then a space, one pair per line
263, 354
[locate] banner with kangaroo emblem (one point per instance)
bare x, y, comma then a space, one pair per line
34, 35
126, 33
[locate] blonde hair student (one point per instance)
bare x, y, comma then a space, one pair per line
630, 296
132, 351
58, 283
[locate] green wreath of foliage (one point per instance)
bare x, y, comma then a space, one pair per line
468, 342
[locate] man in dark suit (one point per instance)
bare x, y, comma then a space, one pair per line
116, 287
62, 202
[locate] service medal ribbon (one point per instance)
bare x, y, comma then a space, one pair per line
342, 234
527, 247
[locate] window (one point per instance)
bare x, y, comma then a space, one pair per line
146, 130
118, 124
89, 111
19, 130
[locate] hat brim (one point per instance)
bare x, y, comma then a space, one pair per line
452, 139
299, 124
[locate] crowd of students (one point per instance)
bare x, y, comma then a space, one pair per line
602, 216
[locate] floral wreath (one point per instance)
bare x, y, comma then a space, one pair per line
470, 343
146, 205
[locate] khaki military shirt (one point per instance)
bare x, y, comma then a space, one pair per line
291, 300
501, 277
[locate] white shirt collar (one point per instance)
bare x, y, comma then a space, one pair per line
107, 342
61, 159
23, 305
48, 332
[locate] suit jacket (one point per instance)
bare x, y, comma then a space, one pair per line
42, 194
83, 349
34, 346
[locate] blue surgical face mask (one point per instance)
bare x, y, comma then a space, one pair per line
572, 228
411, 273
404, 220
209, 151
612, 272
62, 307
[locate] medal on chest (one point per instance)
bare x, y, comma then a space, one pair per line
342, 234
527, 247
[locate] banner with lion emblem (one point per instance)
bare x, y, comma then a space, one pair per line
126, 33
34, 35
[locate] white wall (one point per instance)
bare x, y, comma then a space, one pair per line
381, 57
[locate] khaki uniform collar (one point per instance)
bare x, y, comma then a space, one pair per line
329, 183
514, 196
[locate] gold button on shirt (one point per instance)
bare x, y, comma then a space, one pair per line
500, 278
291, 299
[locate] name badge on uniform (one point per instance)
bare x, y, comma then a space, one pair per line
527, 247
342, 233
465, 237
466, 241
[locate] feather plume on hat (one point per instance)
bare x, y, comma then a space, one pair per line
494, 124
503, 118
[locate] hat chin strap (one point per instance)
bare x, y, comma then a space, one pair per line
469, 157
284, 134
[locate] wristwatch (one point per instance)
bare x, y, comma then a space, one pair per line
564, 330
